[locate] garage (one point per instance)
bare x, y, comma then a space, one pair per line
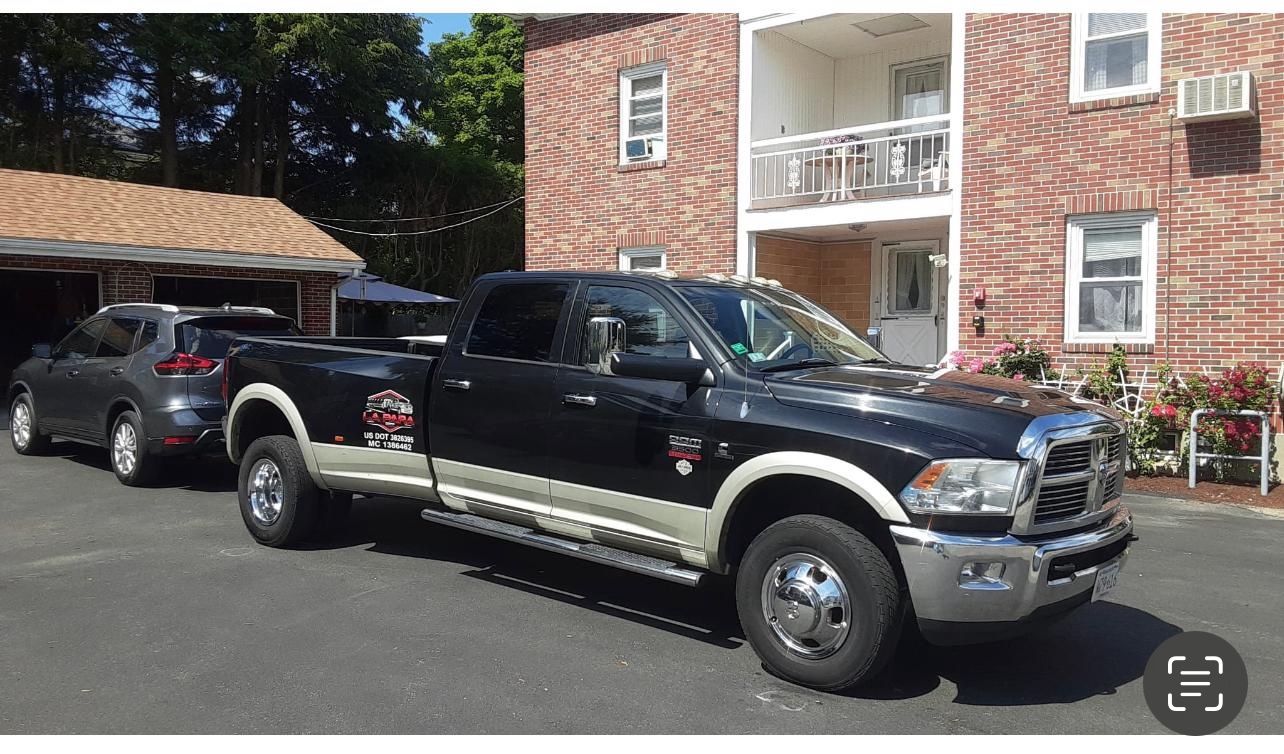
71, 245
41, 306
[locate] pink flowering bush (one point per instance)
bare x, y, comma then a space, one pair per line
1018, 359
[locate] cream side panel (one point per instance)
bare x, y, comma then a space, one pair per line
277, 397
460, 484
375, 470
659, 526
867, 488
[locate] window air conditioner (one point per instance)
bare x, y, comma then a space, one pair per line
1221, 97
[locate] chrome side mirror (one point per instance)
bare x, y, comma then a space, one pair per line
605, 336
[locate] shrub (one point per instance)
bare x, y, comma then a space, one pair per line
1015, 358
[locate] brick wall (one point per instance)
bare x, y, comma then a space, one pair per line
1030, 158
581, 204
835, 275
130, 282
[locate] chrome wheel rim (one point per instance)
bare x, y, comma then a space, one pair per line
124, 448
20, 424
267, 492
805, 602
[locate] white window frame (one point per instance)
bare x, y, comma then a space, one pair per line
627, 255
1075, 227
1078, 58
627, 75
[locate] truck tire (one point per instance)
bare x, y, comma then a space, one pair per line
127, 449
24, 428
818, 602
279, 501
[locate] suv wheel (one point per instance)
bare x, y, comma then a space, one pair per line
819, 602
130, 461
24, 430
278, 499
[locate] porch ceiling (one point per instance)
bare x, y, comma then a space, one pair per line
836, 37
891, 230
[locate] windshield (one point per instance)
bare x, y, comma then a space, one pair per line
770, 328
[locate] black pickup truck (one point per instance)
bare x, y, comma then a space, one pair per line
687, 427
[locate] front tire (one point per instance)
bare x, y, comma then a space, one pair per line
130, 461
24, 429
819, 602
279, 502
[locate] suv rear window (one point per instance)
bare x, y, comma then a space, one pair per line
211, 336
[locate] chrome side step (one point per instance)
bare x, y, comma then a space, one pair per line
629, 561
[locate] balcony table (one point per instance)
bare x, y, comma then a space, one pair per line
850, 161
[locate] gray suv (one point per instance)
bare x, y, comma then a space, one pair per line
142, 380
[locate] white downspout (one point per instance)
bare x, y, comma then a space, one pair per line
954, 306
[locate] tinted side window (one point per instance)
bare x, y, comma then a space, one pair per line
81, 342
518, 321
650, 330
118, 338
151, 332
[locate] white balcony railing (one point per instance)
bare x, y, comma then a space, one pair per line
878, 160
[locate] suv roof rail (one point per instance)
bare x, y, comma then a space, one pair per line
162, 307
256, 309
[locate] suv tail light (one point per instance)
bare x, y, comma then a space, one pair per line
181, 364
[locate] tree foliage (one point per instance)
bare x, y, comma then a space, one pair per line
337, 115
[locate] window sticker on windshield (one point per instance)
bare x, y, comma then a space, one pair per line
755, 356
739, 348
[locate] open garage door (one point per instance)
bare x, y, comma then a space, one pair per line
40, 307
281, 296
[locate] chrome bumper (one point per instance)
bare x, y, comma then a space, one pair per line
934, 560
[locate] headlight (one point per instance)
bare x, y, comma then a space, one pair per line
965, 485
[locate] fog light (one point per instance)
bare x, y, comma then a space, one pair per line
982, 575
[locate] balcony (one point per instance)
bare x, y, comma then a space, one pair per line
850, 107
881, 160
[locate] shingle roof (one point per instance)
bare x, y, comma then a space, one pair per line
52, 207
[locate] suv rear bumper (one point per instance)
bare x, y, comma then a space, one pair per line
1043, 577
182, 422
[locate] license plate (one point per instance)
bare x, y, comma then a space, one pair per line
1107, 580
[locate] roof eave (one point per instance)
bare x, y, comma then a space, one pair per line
73, 249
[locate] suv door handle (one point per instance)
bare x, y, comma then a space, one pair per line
72, 373
572, 399
460, 385
117, 371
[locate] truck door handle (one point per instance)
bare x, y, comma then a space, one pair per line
572, 399
117, 371
460, 385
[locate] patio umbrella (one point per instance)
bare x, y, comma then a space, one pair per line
373, 288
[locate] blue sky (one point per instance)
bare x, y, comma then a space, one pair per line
443, 23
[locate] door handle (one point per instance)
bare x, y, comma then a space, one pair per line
573, 399
117, 371
72, 373
460, 385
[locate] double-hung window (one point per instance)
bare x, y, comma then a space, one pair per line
1110, 278
643, 113
1114, 55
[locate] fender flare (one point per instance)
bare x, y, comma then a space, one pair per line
133, 405
261, 391
13, 392
843, 473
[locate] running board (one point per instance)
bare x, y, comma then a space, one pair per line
629, 561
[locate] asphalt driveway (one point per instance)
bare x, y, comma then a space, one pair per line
151, 611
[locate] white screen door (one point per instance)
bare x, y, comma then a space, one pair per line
910, 303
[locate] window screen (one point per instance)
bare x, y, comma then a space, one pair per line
518, 321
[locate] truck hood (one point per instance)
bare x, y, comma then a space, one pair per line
982, 411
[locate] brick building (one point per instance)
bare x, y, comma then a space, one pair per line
916, 172
70, 245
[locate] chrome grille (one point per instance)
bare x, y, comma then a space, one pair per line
1078, 477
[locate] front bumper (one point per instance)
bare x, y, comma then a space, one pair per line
1043, 577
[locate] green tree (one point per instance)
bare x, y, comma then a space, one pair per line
476, 97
